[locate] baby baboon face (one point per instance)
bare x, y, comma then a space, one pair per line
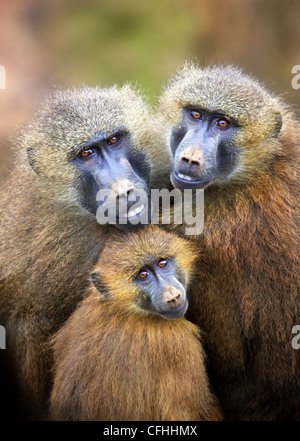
160, 289
146, 272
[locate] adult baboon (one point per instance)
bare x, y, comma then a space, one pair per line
127, 353
229, 135
80, 141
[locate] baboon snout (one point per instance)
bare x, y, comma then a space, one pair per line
172, 297
122, 188
192, 157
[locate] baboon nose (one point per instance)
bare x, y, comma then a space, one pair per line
192, 156
172, 296
123, 188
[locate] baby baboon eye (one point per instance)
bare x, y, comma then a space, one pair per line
86, 153
143, 274
113, 139
195, 114
222, 122
162, 263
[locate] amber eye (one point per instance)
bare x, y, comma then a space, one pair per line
162, 263
143, 274
86, 153
113, 139
195, 114
222, 122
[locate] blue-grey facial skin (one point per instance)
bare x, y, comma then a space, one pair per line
103, 163
203, 148
162, 289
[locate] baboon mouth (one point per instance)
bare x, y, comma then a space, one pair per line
136, 211
185, 177
132, 213
181, 180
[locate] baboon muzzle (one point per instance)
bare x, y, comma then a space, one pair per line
172, 304
172, 297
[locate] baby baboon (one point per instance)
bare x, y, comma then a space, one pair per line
80, 141
233, 138
127, 353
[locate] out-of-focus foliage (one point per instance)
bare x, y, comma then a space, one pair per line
104, 42
120, 40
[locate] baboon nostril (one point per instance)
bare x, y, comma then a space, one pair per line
172, 297
122, 188
130, 192
190, 162
175, 302
125, 194
192, 156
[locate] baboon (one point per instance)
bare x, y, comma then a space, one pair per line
127, 353
230, 136
80, 141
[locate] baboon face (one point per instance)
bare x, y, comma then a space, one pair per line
224, 126
203, 148
156, 288
108, 163
161, 289
92, 139
146, 274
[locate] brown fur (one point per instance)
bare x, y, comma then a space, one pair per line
115, 361
48, 241
246, 294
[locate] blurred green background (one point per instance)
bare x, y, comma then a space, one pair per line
114, 41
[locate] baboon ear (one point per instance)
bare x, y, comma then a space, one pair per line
99, 285
30, 158
278, 125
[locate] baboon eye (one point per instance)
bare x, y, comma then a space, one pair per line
86, 153
222, 123
162, 263
113, 139
195, 114
143, 274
